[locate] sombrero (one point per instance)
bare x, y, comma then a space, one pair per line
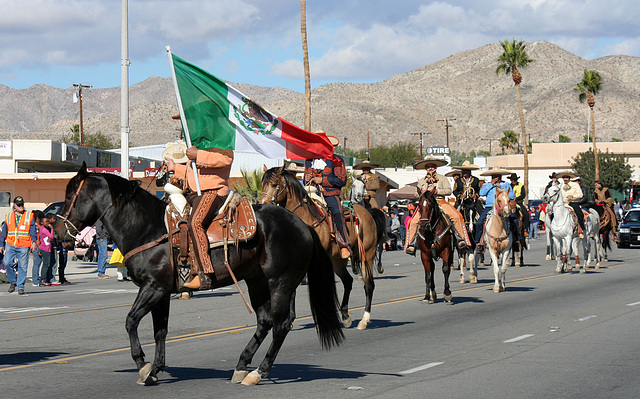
430, 159
176, 151
295, 168
365, 164
495, 172
453, 173
466, 165
333, 139
566, 173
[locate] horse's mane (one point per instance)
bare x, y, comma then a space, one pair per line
125, 191
294, 187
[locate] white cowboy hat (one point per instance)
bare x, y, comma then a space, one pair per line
466, 165
430, 159
453, 173
365, 164
176, 151
496, 172
566, 173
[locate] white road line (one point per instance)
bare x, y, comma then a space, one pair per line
586, 317
420, 368
22, 310
518, 338
633, 304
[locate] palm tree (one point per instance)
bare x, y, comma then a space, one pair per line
307, 77
590, 86
508, 141
251, 186
514, 57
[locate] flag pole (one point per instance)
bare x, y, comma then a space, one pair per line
185, 128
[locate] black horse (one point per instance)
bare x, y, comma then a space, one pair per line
269, 264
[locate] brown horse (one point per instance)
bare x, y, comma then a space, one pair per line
281, 187
434, 241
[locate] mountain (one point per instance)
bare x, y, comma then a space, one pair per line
463, 87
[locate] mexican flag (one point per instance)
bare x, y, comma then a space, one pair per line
218, 115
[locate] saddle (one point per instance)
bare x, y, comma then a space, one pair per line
235, 222
573, 214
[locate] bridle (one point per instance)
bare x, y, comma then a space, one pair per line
431, 223
273, 198
65, 217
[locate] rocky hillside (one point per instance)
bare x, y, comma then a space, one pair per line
463, 86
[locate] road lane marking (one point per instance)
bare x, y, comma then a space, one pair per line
586, 317
31, 309
520, 338
633, 304
420, 368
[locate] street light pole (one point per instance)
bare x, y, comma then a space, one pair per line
80, 86
421, 141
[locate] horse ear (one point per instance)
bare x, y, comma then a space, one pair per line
82, 173
281, 170
264, 168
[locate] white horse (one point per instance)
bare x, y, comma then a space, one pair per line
563, 228
498, 238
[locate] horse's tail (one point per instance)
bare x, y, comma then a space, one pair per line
606, 244
323, 297
380, 218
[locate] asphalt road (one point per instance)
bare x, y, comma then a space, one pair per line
567, 336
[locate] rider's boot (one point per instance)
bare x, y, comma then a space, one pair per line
462, 245
411, 248
199, 282
580, 232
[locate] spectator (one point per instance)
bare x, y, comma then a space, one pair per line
45, 249
534, 219
102, 241
37, 259
17, 238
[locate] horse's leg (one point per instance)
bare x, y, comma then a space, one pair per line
280, 321
560, 255
503, 271
261, 303
147, 300
160, 315
447, 263
496, 269
427, 264
347, 284
473, 267
369, 287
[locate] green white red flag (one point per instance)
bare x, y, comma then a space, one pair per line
218, 115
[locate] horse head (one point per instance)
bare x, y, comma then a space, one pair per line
501, 205
274, 186
429, 212
551, 195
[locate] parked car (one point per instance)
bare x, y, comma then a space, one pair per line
629, 229
55, 208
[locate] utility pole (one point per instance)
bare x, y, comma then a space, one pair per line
490, 140
368, 151
446, 126
124, 91
345, 147
80, 86
421, 141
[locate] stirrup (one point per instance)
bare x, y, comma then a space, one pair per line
410, 250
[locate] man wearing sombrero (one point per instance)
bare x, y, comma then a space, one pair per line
572, 196
330, 176
467, 185
371, 183
520, 193
488, 190
440, 187
213, 169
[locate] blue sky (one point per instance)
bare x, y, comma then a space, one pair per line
61, 42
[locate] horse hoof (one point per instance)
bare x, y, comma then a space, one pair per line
548, 257
597, 266
496, 289
448, 298
253, 378
462, 281
145, 375
427, 300
473, 280
558, 271
503, 289
347, 322
238, 376
583, 271
362, 325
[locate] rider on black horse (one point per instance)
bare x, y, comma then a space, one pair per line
520, 193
